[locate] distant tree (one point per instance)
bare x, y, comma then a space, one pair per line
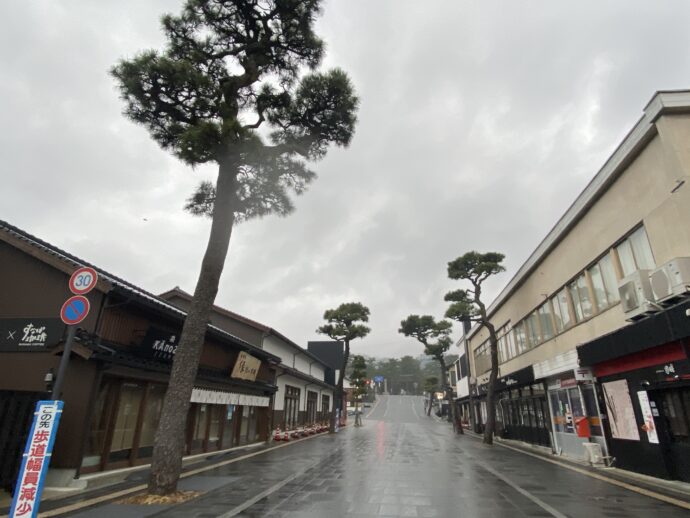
229, 69
358, 380
430, 386
466, 304
344, 325
435, 336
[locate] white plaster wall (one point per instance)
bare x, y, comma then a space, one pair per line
642, 193
318, 371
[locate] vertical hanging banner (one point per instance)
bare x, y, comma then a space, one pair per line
39, 447
648, 417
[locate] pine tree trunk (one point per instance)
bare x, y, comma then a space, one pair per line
339, 389
490, 397
446, 388
169, 441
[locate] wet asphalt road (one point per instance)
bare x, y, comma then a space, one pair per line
400, 463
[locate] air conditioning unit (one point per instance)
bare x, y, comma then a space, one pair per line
637, 298
672, 280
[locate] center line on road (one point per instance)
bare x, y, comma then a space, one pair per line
373, 408
275, 487
554, 512
414, 409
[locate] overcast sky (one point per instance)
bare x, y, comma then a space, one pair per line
479, 124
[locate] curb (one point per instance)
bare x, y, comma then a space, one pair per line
648, 484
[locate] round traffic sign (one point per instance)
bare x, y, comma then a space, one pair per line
75, 309
83, 280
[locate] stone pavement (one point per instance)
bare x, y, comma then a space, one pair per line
400, 463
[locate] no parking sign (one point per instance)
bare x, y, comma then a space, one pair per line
75, 309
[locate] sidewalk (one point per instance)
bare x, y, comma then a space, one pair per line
109, 486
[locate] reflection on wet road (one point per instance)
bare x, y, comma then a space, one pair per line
402, 463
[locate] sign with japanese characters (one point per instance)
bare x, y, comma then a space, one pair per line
39, 448
160, 344
246, 367
30, 334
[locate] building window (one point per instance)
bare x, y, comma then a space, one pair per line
582, 302
532, 330
545, 321
604, 283
291, 407
131, 395
228, 425
520, 338
482, 357
635, 253
506, 344
561, 311
676, 406
312, 399
325, 405
149, 425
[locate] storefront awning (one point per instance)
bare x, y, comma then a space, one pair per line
667, 326
219, 397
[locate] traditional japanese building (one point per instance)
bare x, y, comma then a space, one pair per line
305, 381
119, 367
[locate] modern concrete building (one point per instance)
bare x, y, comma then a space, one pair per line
612, 264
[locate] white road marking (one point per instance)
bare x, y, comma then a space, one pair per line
414, 409
373, 408
112, 496
554, 512
642, 491
630, 487
275, 487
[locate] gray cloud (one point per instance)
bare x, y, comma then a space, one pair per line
479, 123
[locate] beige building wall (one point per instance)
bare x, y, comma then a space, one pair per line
648, 190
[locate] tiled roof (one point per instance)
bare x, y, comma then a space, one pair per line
127, 288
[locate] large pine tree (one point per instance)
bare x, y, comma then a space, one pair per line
236, 86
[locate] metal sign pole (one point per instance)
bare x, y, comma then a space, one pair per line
62, 370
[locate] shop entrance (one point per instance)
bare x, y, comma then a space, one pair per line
526, 419
674, 429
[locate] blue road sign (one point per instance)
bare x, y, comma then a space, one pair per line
378, 379
39, 448
75, 309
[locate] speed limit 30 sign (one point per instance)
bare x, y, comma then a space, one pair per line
83, 280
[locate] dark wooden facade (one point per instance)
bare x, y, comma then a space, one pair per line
113, 383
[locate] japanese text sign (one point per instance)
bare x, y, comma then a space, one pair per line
39, 447
246, 367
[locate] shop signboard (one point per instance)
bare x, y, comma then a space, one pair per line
39, 447
159, 344
583, 374
513, 380
246, 367
30, 334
